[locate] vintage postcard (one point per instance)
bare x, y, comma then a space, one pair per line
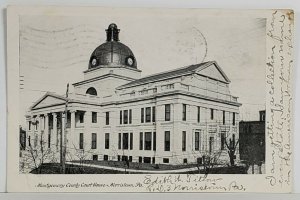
149, 100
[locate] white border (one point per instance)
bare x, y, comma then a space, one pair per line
208, 4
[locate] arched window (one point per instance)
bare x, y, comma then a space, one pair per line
91, 91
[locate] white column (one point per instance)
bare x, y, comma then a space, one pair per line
62, 136
72, 128
55, 129
39, 131
71, 137
46, 132
87, 129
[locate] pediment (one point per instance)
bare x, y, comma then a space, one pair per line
48, 100
213, 71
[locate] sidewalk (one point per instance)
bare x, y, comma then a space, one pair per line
138, 171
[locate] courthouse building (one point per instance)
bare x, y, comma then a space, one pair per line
174, 117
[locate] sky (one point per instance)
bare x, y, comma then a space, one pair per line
55, 50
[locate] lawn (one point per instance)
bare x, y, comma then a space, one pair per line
137, 166
54, 168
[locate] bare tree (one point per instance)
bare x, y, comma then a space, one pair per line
34, 156
231, 147
207, 161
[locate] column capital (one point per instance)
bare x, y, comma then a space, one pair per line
72, 111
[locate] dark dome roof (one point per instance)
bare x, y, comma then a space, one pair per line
112, 52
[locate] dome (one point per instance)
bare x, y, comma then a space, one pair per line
112, 52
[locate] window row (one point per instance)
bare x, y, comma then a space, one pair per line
212, 114
125, 141
94, 117
126, 116
94, 141
211, 142
148, 114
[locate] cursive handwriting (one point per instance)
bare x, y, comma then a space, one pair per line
279, 64
188, 182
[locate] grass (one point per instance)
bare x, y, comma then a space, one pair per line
137, 166
54, 168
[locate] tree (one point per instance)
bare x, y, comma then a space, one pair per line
34, 156
231, 147
207, 161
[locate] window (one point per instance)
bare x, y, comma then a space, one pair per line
125, 140
119, 158
105, 157
141, 140
130, 158
233, 119
68, 120
131, 141
233, 139
29, 142
94, 140
49, 140
95, 157
183, 140
154, 141
59, 121
29, 125
50, 122
148, 136
91, 91
211, 114
223, 117
153, 114
184, 112
148, 114
140, 159
185, 160
197, 141
68, 117
22, 140
223, 140
142, 115
120, 141
147, 159
81, 117
35, 140
211, 144
126, 116
153, 160
125, 112
81, 141
167, 140
121, 117
200, 160
167, 112
130, 116
124, 158
106, 140
165, 160
94, 117
107, 118
198, 114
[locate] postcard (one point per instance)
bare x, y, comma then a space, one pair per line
149, 100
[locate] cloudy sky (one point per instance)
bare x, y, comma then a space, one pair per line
54, 50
